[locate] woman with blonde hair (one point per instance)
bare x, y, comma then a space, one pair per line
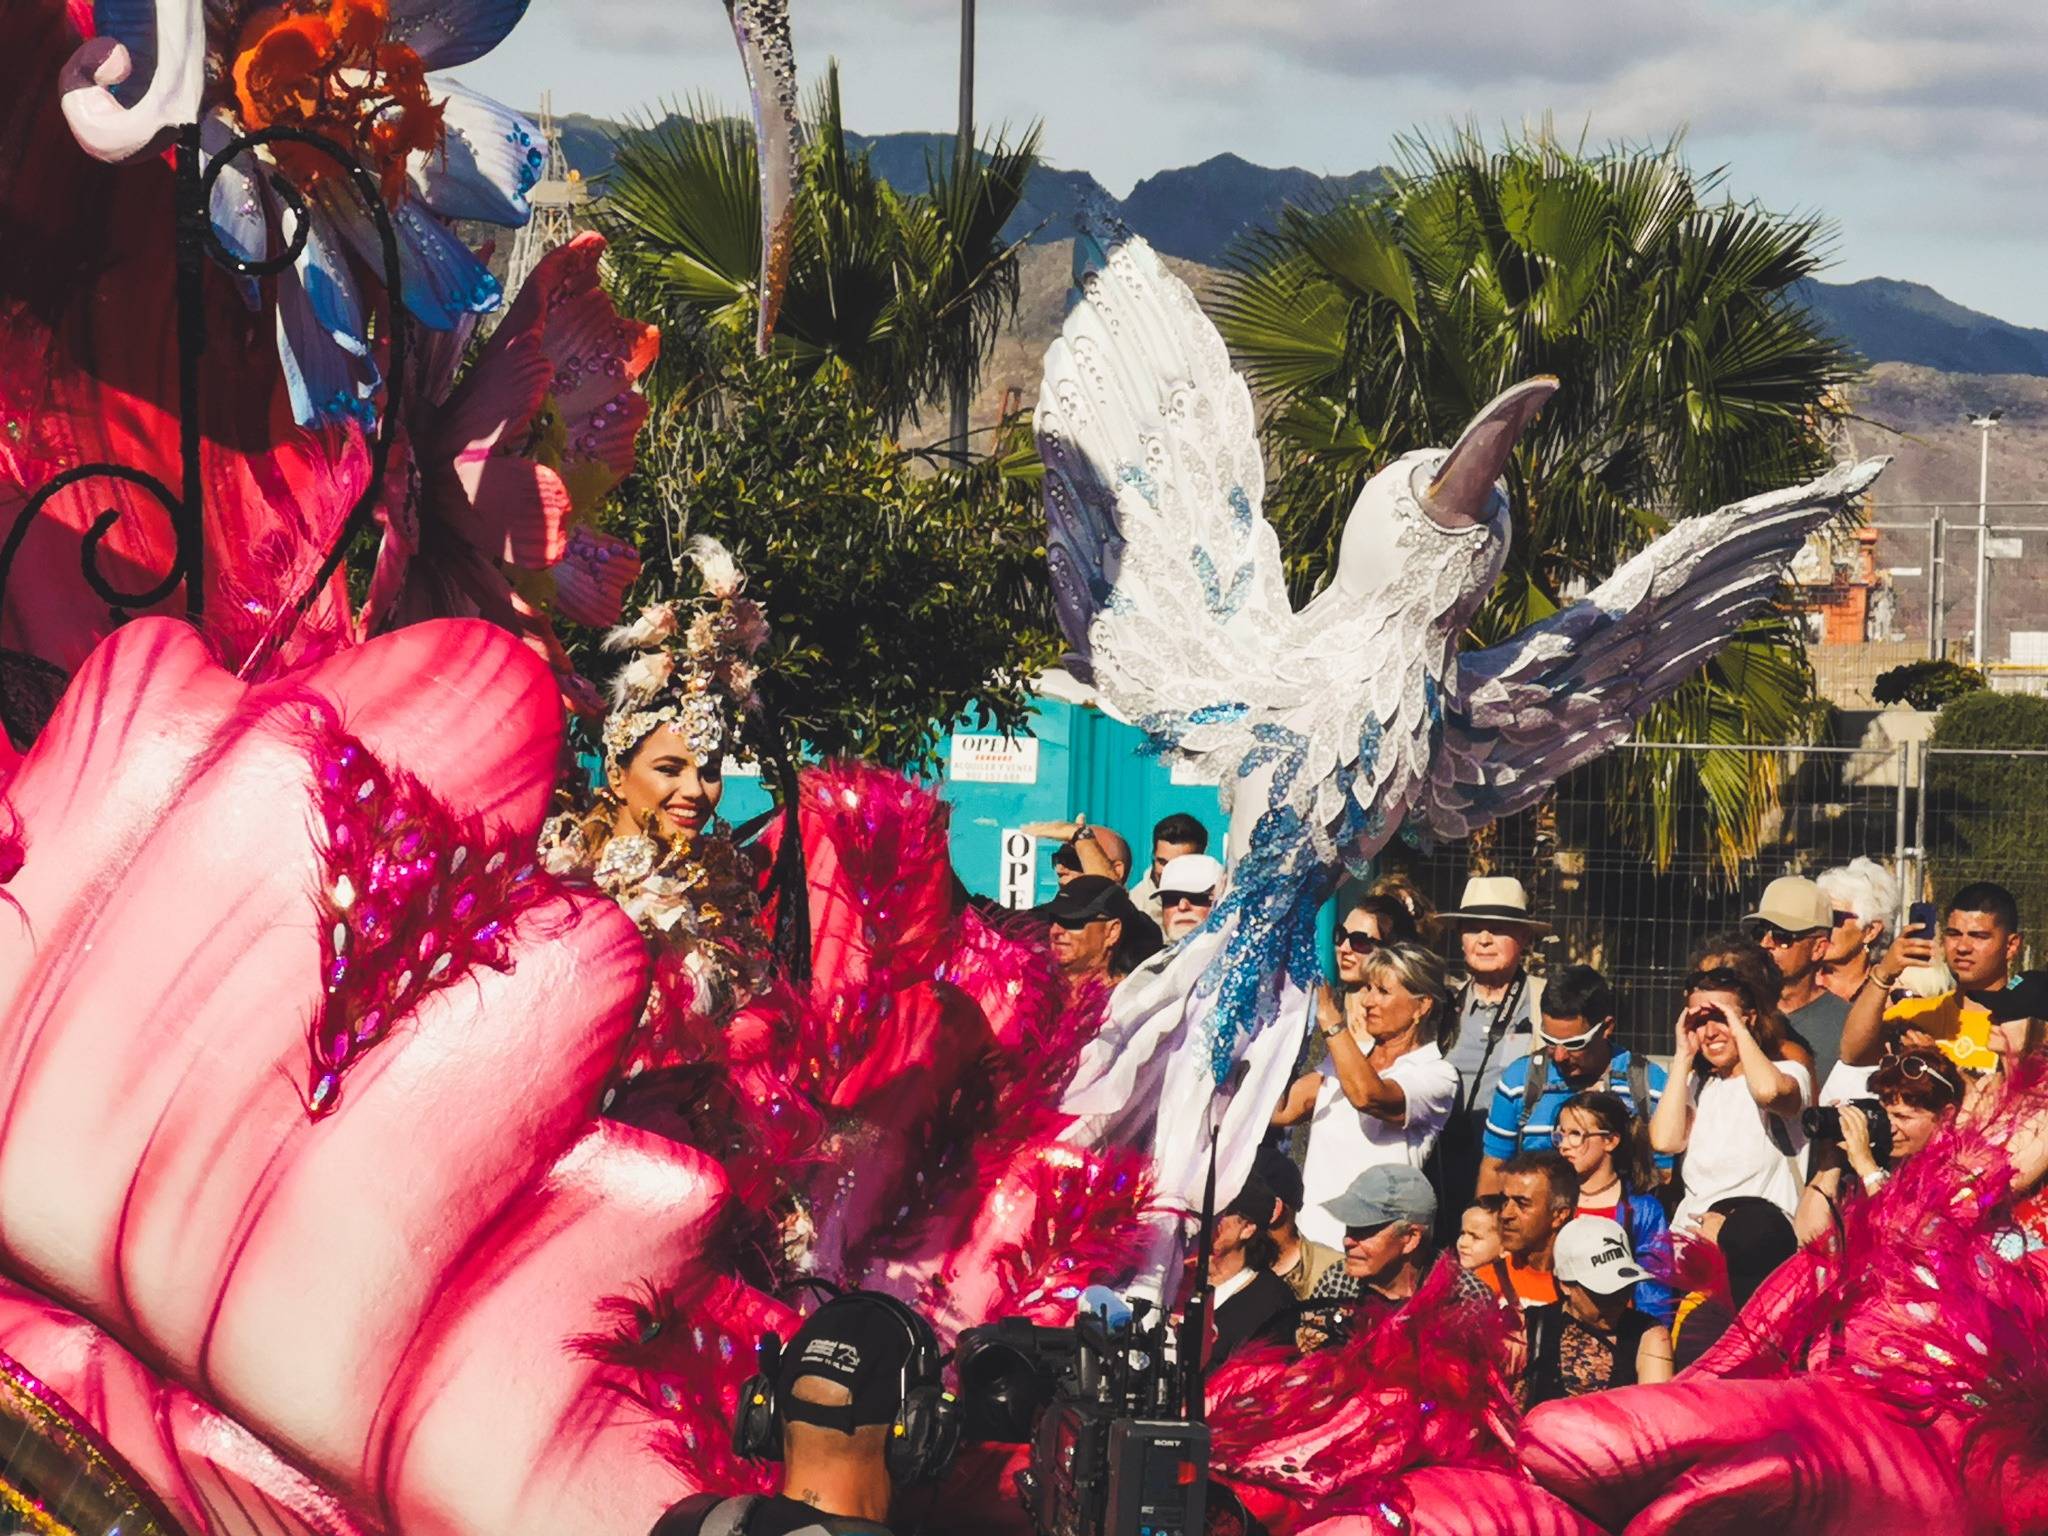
1387, 1091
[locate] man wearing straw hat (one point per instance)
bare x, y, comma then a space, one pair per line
1497, 1011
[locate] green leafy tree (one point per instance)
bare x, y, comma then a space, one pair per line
900, 599
902, 594
905, 292
1691, 376
1988, 810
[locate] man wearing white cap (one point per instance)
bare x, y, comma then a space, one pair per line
1593, 1338
1796, 922
1497, 1011
1188, 887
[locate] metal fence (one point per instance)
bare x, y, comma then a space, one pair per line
1939, 818
1915, 594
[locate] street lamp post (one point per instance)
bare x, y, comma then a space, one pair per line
963, 165
1980, 639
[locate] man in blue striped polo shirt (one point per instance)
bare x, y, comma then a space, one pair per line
1573, 1052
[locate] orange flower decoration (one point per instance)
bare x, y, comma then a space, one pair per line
328, 69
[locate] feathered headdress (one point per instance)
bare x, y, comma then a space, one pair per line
694, 666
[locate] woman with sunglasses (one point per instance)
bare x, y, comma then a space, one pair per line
1387, 1089
1363, 925
1737, 1122
1921, 1091
1599, 1136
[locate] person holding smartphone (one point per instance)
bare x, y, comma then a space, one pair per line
1734, 1101
1979, 938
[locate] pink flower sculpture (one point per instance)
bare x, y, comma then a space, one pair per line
366, 1319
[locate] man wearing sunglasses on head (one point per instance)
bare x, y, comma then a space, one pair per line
1797, 923
1574, 1051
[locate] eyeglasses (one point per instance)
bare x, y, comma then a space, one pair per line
1771, 934
1580, 1138
1913, 1067
1076, 924
1358, 941
1577, 1042
1366, 1233
1200, 899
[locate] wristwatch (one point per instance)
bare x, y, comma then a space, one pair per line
1332, 1031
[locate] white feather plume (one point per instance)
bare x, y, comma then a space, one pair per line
656, 623
722, 575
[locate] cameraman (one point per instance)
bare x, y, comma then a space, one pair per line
837, 1398
1920, 1091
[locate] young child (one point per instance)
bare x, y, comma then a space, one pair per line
1479, 1233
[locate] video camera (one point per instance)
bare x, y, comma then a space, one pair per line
1823, 1126
1117, 1446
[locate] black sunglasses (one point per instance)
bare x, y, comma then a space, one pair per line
1721, 978
1358, 941
1367, 1232
1186, 898
1770, 933
1076, 924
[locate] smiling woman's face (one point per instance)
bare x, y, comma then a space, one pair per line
663, 788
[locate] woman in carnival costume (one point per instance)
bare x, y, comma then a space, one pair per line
653, 841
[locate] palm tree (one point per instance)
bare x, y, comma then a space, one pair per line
1692, 376
905, 291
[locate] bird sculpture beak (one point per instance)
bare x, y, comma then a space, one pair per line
1462, 488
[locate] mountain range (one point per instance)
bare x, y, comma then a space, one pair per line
1200, 212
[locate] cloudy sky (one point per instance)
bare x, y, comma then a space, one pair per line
1919, 126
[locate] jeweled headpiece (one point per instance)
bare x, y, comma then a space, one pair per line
695, 665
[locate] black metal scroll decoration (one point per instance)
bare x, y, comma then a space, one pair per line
196, 236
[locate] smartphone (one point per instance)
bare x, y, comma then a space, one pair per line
1920, 919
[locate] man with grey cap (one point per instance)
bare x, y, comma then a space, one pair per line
1387, 1214
1592, 1337
1796, 922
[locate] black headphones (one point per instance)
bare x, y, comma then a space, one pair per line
926, 1430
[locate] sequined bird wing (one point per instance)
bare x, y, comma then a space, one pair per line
1528, 711
1167, 577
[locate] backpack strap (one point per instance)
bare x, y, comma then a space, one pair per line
1533, 1086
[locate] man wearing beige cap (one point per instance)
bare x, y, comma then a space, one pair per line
1796, 922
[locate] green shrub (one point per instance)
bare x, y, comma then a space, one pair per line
1927, 684
1987, 812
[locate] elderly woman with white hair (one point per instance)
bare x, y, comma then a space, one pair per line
1865, 898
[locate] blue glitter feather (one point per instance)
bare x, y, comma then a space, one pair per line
1240, 509
1270, 910
1143, 483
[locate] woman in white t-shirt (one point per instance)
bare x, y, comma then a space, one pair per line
1738, 1120
1388, 1089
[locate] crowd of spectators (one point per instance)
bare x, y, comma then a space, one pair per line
1455, 1100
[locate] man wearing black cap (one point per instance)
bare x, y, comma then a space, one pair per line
837, 1399
1096, 932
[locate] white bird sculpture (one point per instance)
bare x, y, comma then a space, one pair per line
1332, 726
